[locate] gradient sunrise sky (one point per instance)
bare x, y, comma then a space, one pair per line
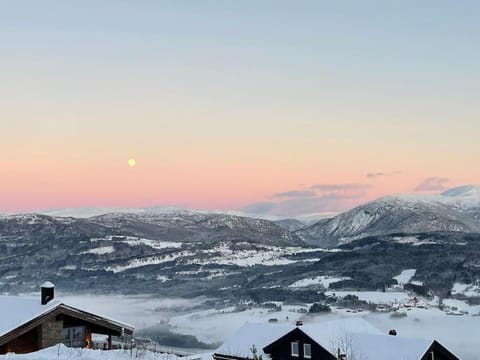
313, 106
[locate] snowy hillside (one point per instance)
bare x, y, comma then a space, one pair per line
456, 210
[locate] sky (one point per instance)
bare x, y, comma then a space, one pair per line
268, 106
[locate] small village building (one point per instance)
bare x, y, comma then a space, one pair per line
30, 324
350, 339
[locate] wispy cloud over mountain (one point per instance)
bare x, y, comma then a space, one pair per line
341, 190
433, 184
317, 199
295, 194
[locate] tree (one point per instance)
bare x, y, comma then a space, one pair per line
254, 352
317, 308
343, 347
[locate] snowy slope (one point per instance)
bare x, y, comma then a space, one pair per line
456, 210
189, 226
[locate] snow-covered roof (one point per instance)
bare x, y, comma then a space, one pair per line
364, 339
326, 331
18, 310
258, 334
47, 284
262, 334
381, 347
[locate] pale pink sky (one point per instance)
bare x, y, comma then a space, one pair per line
231, 104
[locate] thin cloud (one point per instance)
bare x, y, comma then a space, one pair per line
259, 208
379, 174
375, 175
433, 184
295, 194
319, 198
341, 190
335, 187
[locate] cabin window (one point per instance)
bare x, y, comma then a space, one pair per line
295, 351
74, 336
307, 351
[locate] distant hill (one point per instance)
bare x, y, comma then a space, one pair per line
456, 210
290, 224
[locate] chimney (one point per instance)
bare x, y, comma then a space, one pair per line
47, 289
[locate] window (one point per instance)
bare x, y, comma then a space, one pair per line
295, 349
74, 336
307, 351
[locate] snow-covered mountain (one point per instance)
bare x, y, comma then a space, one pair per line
150, 245
184, 253
189, 226
86, 212
457, 209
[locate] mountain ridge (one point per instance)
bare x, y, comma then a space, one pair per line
456, 209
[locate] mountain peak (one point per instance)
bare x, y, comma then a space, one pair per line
455, 210
463, 191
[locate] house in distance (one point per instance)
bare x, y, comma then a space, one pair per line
30, 324
349, 339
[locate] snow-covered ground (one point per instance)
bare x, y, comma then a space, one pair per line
154, 244
61, 352
227, 256
101, 250
324, 281
405, 276
152, 260
212, 326
458, 333
469, 290
223, 253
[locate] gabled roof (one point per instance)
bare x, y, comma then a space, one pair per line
19, 313
262, 335
257, 334
326, 331
363, 338
381, 347
17, 310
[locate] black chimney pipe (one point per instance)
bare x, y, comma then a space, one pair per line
47, 292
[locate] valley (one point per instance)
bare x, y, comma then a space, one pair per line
188, 279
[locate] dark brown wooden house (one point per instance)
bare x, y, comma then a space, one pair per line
296, 345
305, 344
349, 339
28, 324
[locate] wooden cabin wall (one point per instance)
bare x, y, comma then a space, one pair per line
281, 349
25, 343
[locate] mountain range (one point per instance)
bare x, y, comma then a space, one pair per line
180, 252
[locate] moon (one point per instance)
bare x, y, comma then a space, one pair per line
132, 162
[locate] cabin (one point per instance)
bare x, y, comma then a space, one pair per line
349, 339
30, 324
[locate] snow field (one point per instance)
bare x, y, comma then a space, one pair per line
323, 280
458, 333
61, 352
405, 276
